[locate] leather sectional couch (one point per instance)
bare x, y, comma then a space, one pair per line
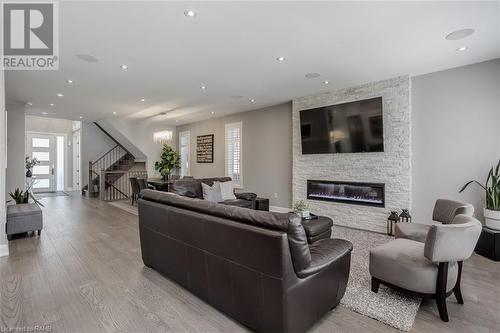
191, 188
255, 266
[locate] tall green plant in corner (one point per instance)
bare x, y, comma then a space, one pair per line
492, 189
169, 161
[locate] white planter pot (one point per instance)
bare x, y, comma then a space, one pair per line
492, 218
304, 213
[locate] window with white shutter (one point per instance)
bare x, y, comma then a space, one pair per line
234, 153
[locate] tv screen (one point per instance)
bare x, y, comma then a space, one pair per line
353, 127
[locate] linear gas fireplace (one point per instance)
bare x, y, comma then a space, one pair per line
370, 194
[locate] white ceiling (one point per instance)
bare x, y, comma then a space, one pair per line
231, 47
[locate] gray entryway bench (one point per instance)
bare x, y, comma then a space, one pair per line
23, 218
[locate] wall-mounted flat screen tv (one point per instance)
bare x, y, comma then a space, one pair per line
353, 127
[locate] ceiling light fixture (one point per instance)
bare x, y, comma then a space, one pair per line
29, 104
162, 137
326, 82
203, 87
60, 95
69, 81
51, 104
252, 100
45, 113
124, 67
143, 99
459, 34
463, 48
212, 112
280, 59
312, 75
114, 112
176, 120
81, 117
190, 13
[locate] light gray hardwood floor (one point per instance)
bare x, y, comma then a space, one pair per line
85, 274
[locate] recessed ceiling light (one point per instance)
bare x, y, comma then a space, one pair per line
463, 48
189, 13
459, 34
280, 59
45, 113
114, 112
69, 81
176, 120
29, 104
60, 95
212, 112
87, 57
252, 100
123, 67
203, 87
326, 82
81, 117
51, 104
312, 75
143, 99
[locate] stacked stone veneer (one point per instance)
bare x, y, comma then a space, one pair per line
392, 167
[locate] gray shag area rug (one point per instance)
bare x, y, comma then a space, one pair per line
388, 306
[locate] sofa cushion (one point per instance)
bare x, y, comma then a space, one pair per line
211, 193
238, 203
190, 188
402, 263
323, 253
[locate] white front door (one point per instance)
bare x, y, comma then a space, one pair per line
42, 147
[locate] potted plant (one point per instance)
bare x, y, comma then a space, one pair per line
300, 207
20, 196
492, 189
169, 160
30, 163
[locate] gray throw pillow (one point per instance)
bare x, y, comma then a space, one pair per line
211, 193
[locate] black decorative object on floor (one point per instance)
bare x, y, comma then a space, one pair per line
405, 216
488, 244
391, 222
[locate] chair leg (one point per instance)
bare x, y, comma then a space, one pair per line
443, 311
39, 232
456, 290
375, 284
440, 295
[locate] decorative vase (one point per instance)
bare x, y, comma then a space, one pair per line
304, 213
492, 218
29, 173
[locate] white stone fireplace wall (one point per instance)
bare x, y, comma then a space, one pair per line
392, 167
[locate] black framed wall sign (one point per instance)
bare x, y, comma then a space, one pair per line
205, 148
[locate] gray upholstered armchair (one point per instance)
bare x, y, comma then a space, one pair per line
444, 212
429, 270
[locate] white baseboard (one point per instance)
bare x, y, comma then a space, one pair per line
279, 209
4, 250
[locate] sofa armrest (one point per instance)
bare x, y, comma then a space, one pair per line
245, 196
325, 252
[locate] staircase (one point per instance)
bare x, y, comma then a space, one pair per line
109, 174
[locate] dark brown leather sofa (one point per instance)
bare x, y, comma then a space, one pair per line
255, 266
191, 188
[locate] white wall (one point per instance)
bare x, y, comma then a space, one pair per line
4, 248
16, 155
56, 126
455, 134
